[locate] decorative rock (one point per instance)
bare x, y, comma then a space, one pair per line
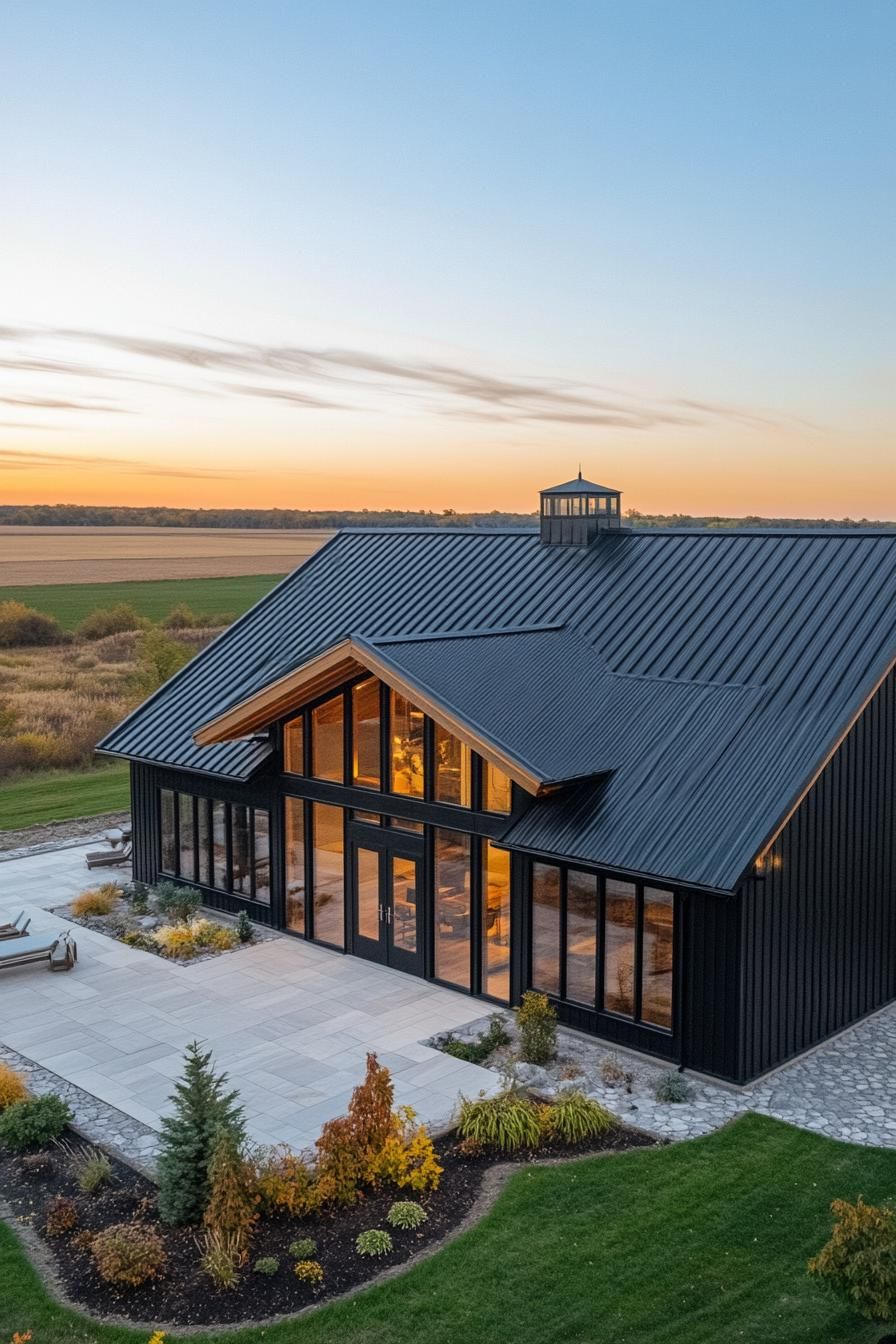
534, 1076
149, 921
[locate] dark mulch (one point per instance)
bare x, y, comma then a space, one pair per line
185, 1296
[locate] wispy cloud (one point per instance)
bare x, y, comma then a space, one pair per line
298, 374
57, 404
12, 459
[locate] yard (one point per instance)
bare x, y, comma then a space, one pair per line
58, 795
695, 1243
220, 599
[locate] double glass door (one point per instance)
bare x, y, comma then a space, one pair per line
387, 873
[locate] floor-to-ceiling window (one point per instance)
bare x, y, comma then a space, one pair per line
452, 907
328, 873
603, 943
328, 740
221, 845
495, 921
294, 829
453, 768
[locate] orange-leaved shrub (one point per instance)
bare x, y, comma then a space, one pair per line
285, 1182
232, 1209
859, 1261
129, 1253
12, 1086
97, 900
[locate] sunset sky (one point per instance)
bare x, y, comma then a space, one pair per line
348, 254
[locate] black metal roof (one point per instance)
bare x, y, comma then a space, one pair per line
702, 676
579, 487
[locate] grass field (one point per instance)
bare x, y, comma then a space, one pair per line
696, 1243
71, 602
50, 555
60, 795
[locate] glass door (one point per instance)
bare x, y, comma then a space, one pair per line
387, 902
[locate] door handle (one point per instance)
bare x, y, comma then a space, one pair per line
388, 915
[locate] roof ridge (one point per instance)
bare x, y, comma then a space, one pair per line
418, 636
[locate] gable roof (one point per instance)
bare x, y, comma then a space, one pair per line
579, 487
698, 678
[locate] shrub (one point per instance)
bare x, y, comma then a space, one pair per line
376, 1241
202, 1110
128, 1253
182, 617
23, 625
175, 901
160, 657
175, 941
244, 929
217, 937
62, 1216
97, 900
507, 1122
349, 1145
137, 938
233, 1200
573, 1117
285, 1182
36, 1165
672, 1087
31, 1123
478, 1051
267, 1265
310, 1271
112, 620
221, 1255
303, 1248
83, 1240
536, 1019
859, 1261
406, 1213
12, 1086
408, 1157
611, 1071
137, 894
90, 1166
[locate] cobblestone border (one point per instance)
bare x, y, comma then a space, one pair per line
97, 1121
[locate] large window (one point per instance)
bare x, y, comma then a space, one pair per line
328, 740
294, 746
453, 771
546, 928
496, 789
603, 943
295, 864
495, 921
328, 873
221, 845
453, 907
407, 747
366, 733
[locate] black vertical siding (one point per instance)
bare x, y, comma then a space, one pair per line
709, 984
818, 929
144, 823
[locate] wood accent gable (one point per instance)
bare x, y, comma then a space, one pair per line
328, 671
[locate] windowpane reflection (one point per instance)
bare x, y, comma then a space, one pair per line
619, 942
452, 907
329, 874
407, 747
453, 760
546, 928
496, 922
366, 733
581, 937
327, 740
295, 865
656, 958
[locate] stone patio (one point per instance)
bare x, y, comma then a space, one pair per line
291, 1023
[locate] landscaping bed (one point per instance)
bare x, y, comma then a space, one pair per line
184, 1295
163, 919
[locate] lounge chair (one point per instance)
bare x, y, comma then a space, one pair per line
60, 950
110, 858
15, 928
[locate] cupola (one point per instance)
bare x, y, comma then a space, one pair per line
574, 513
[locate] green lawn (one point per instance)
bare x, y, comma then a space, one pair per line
71, 602
698, 1243
59, 795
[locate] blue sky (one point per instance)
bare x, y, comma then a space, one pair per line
656, 237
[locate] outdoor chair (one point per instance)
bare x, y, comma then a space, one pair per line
110, 858
16, 928
59, 950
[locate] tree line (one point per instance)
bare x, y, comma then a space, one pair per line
122, 515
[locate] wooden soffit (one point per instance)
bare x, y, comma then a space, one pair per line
330, 670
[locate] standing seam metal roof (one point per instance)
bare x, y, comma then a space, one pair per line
705, 674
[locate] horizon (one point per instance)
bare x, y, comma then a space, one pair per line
335, 257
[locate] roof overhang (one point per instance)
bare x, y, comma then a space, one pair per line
327, 671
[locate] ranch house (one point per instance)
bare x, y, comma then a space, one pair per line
648, 772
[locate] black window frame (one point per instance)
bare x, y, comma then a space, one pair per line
635, 1019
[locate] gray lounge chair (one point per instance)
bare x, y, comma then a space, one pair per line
16, 927
59, 950
109, 858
